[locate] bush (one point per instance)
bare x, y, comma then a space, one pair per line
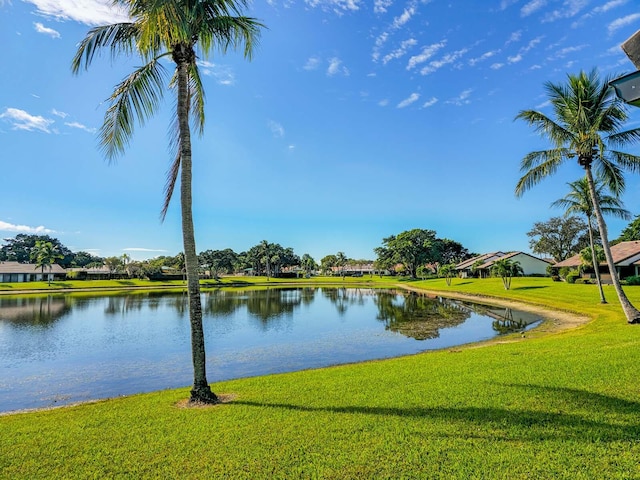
556, 278
633, 280
584, 281
564, 271
572, 277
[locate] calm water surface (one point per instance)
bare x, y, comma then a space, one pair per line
62, 349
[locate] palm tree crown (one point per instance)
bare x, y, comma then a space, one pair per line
578, 201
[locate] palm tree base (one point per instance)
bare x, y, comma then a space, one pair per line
203, 394
634, 321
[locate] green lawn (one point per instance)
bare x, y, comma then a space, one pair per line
561, 405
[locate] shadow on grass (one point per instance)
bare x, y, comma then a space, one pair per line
5, 285
461, 283
125, 282
61, 285
496, 423
530, 287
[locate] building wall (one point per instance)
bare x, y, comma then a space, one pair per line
530, 265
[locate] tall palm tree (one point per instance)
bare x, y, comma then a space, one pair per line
176, 30
578, 202
588, 120
45, 254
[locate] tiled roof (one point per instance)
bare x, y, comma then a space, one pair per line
469, 262
623, 253
15, 267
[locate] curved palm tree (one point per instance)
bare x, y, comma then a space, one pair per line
176, 30
506, 269
578, 202
588, 120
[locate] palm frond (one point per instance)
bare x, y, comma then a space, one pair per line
610, 174
119, 37
534, 175
627, 161
172, 178
196, 100
544, 125
620, 139
135, 98
540, 157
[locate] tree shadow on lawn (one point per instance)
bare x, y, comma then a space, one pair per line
125, 282
530, 287
495, 423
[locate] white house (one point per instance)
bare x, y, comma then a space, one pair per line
28, 272
530, 265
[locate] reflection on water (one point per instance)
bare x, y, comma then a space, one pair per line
65, 348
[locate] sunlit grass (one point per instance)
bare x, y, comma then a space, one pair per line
547, 406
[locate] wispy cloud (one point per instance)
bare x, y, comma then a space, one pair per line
569, 9
623, 22
462, 99
337, 6
40, 28
276, 129
514, 37
89, 12
563, 52
312, 63
532, 7
427, 52
445, 60
336, 68
10, 227
384, 102
400, 52
381, 6
223, 74
21, 120
80, 126
483, 57
409, 100
429, 103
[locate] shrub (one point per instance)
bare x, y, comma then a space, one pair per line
556, 278
564, 271
572, 277
584, 281
633, 280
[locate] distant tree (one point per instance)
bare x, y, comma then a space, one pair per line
44, 255
18, 249
114, 264
218, 261
578, 202
560, 237
84, 259
341, 262
447, 271
411, 248
308, 264
631, 232
327, 262
506, 269
422, 271
452, 252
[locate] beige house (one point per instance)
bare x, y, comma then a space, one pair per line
28, 272
626, 258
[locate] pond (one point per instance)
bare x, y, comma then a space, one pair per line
63, 349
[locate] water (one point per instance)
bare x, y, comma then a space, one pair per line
62, 349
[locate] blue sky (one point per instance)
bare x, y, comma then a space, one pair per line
354, 121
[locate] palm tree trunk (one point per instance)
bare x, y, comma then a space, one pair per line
201, 391
594, 260
631, 312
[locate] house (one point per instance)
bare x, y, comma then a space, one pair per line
29, 272
626, 258
531, 266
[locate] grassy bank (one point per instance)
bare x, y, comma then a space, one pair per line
561, 405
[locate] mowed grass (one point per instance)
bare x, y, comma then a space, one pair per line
563, 405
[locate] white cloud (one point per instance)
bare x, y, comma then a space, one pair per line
567, 50
398, 22
223, 74
429, 103
80, 126
462, 99
21, 120
446, 60
89, 12
337, 6
514, 59
276, 128
45, 30
570, 8
409, 100
531, 7
497, 66
312, 63
483, 57
380, 6
427, 52
514, 37
335, 68
622, 22
400, 52
384, 102
9, 227
59, 114
609, 6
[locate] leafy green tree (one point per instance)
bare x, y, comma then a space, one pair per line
452, 252
631, 232
218, 261
44, 255
411, 248
506, 270
327, 262
560, 237
18, 249
447, 271
578, 202
588, 120
176, 30
308, 264
84, 259
341, 262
